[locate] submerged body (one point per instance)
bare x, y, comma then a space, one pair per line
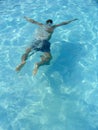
44, 32
42, 36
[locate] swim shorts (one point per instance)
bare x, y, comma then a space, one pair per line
41, 45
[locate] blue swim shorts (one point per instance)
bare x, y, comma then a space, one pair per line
41, 45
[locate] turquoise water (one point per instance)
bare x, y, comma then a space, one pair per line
64, 94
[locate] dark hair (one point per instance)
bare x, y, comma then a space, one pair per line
49, 21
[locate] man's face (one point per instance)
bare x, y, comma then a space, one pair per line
49, 24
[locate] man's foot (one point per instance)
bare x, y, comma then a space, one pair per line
35, 69
18, 68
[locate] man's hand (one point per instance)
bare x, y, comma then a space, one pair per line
74, 19
29, 19
26, 18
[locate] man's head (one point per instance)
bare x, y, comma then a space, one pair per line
49, 21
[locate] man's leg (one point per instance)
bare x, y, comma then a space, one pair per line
45, 59
23, 59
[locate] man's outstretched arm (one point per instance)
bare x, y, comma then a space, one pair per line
64, 23
32, 21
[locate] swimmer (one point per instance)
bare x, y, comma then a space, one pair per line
41, 43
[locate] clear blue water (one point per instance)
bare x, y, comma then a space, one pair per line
63, 95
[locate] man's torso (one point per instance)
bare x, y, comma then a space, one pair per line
44, 32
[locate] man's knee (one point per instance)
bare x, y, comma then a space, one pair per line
48, 58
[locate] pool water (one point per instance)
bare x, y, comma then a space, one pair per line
64, 94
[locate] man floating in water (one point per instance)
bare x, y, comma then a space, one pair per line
41, 43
